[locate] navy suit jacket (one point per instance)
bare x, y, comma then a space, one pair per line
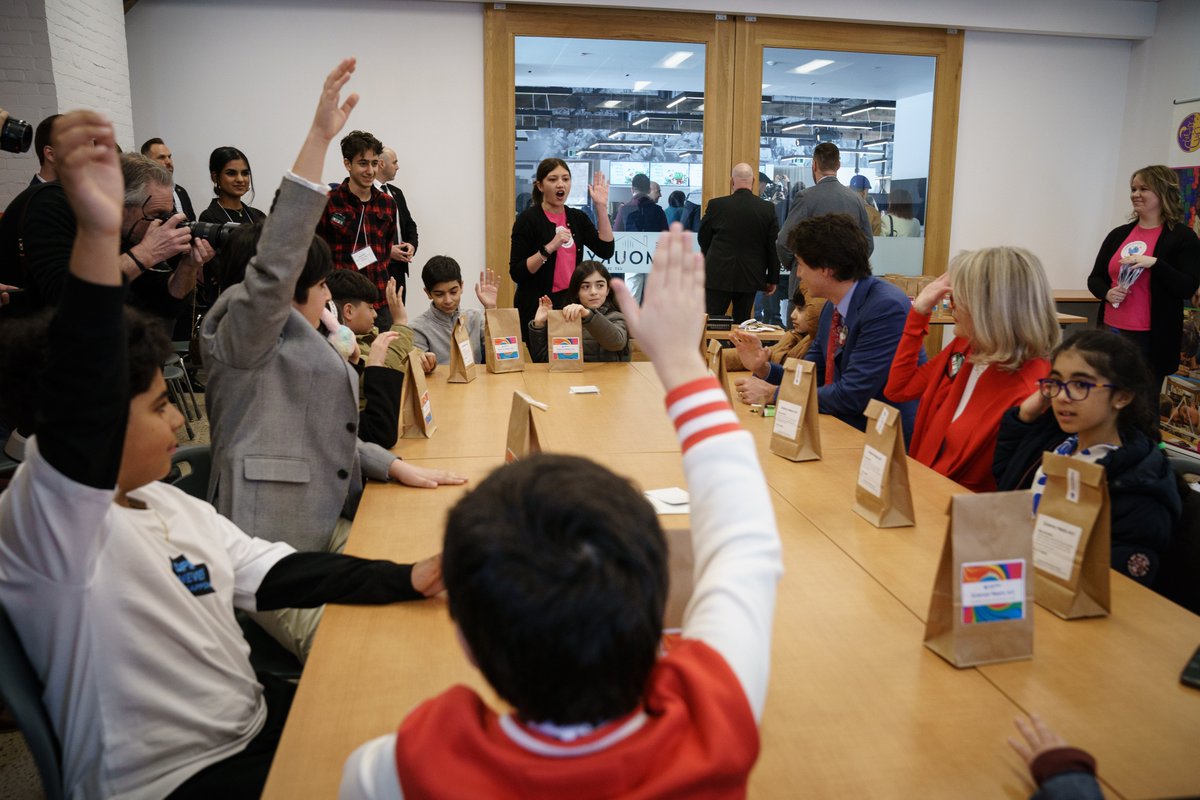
875, 322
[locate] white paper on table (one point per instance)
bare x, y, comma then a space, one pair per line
1054, 545
787, 418
671, 500
585, 390
870, 471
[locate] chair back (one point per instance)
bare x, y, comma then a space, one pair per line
190, 469
21, 690
1179, 577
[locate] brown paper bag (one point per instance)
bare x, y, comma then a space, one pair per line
416, 412
1071, 539
681, 569
523, 437
564, 345
981, 611
716, 365
462, 357
882, 496
797, 435
502, 340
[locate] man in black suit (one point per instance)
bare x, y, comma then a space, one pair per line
737, 236
405, 248
156, 150
45, 152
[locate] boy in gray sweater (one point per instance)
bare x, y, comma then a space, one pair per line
444, 286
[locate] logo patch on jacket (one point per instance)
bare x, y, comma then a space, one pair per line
193, 576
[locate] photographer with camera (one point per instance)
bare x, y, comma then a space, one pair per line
159, 254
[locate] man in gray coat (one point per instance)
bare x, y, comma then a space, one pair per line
826, 196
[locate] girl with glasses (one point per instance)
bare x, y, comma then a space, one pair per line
1094, 406
1005, 326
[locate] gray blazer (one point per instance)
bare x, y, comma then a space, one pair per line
826, 196
282, 404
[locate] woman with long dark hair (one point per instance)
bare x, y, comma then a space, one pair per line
232, 180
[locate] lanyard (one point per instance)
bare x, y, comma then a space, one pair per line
362, 213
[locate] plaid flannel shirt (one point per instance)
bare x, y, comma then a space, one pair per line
339, 227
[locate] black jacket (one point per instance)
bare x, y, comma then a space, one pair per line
407, 230
1173, 280
738, 236
532, 230
185, 203
1142, 489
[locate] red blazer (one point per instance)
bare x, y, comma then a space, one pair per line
961, 450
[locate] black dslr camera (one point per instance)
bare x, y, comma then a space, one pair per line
215, 233
16, 135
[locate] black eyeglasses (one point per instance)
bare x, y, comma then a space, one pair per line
1076, 390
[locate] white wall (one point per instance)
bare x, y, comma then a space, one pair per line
1039, 129
914, 121
248, 74
26, 84
91, 68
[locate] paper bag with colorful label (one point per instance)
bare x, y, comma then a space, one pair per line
523, 438
716, 365
564, 343
462, 357
416, 412
981, 611
797, 434
502, 340
1071, 539
882, 496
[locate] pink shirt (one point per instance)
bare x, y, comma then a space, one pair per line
1134, 312
564, 257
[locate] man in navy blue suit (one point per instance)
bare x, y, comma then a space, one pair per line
859, 328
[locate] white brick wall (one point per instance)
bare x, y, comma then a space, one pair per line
27, 89
90, 60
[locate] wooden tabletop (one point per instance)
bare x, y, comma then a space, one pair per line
1063, 319
857, 706
1074, 296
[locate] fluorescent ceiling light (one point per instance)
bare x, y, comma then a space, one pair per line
640, 120
700, 107
623, 143
681, 98
796, 158
766, 86
877, 143
640, 85
877, 160
874, 105
812, 66
641, 132
795, 127
675, 59
611, 103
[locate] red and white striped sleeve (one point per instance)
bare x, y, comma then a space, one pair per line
700, 410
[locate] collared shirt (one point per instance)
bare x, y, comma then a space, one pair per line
843, 305
349, 225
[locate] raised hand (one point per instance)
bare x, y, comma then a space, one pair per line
598, 191
751, 351
88, 167
395, 301
932, 295
328, 120
379, 348
543, 312
669, 322
488, 288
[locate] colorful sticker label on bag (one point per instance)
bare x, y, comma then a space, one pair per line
566, 348
426, 408
506, 348
993, 591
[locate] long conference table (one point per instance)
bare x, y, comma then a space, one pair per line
857, 706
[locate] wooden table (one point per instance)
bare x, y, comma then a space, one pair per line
857, 706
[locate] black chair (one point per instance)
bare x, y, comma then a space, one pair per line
21, 690
190, 468
1179, 578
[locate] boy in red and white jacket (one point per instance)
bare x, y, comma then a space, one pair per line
559, 600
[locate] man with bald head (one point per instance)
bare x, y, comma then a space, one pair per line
737, 236
405, 247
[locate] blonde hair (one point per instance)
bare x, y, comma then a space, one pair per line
1005, 292
1164, 182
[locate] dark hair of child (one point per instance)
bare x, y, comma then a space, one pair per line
242, 245
357, 142
351, 286
1120, 362
581, 273
23, 351
544, 168
556, 573
440, 269
798, 300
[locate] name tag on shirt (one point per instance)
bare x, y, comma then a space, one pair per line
194, 576
363, 258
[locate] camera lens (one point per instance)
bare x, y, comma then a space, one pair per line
16, 136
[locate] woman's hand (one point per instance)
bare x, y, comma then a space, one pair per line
379, 348
1116, 295
573, 312
755, 390
488, 288
427, 576
422, 477
543, 311
932, 295
1033, 407
598, 191
751, 351
395, 302
1143, 261
561, 237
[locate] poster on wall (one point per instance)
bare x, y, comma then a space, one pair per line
670, 174
620, 173
1185, 135
581, 177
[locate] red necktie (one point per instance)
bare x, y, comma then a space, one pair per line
835, 335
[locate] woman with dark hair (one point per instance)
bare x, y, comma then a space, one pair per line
676, 205
898, 221
548, 239
605, 337
1147, 269
232, 179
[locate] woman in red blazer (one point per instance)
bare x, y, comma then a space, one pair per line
1005, 325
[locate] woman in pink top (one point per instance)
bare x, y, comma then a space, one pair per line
548, 238
1147, 269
